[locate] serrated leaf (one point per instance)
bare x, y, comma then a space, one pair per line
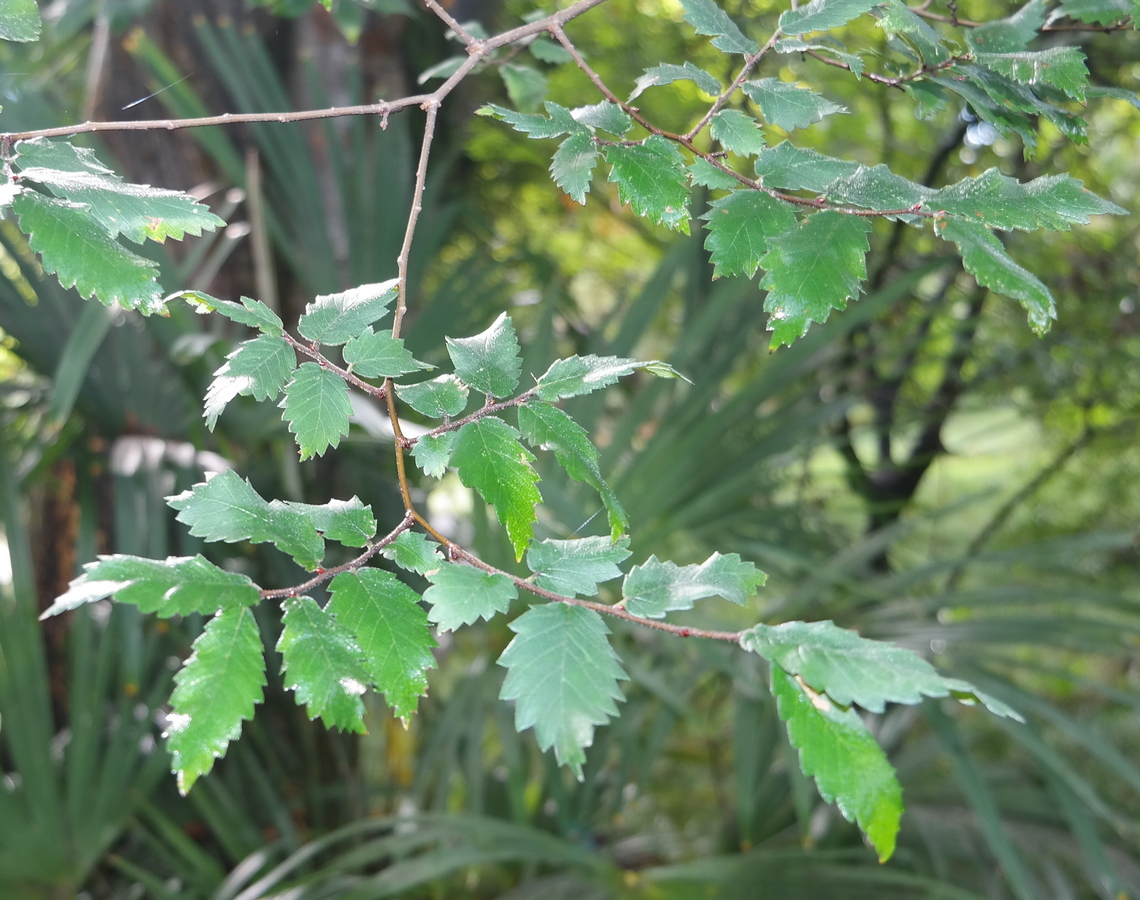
545, 50
526, 86
81, 256
249, 312
19, 20
379, 355
655, 588
432, 453
414, 552
444, 69
227, 508
813, 270
895, 17
1098, 12
488, 362
820, 15
138, 212
563, 675
579, 375
1010, 34
787, 166
1054, 202
737, 132
849, 767
1006, 121
787, 106
439, 398
930, 98
258, 368
849, 668
337, 318
794, 45
317, 408
740, 227
489, 458
651, 178
1062, 67
348, 522
985, 258
709, 19
391, 629
461, 595
216, 690
559, 122
605, 115
572, 166
577, 566
176, 586
61, 155
880, 189
707, 175
549, 427
667, 73
322, 665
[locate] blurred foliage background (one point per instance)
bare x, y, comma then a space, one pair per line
921, 469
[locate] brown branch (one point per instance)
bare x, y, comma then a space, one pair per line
325, 363
464, 35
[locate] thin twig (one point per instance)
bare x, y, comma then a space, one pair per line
464, 35
325, 363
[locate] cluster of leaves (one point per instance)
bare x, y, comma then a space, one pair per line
802, 217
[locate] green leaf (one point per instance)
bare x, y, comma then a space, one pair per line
317, 408
414, 552
1098, 12
606, 116
737, 132
572, 166
985, 258
526, 86
880, 189
547, 51
708, 18
249, 312
1011, 34
489, 458
1054, 202
849, 668
577, 375
323, 665
667, 73
461, 595
811, 271
138, 212
227, 508
391, 629
651, 178
787, 106
655, 588
19, 20
348, 522
432, 453
379, 355
740, 227
549, 427
488, 362
563, 675
707, 175
820, 15
896, 18
259, 367
849, 768
337, 318
176, 586
75, 249
788, 167
560, 121
439, 398
1062, 67
577, 566
62, 155
215, 691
